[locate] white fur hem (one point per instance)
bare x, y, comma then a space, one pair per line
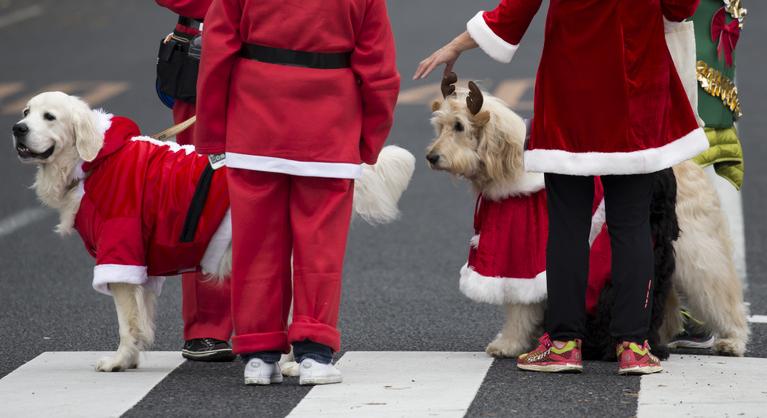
293, 167
492, 44
218, 245
104, 274
502, 290
619, 163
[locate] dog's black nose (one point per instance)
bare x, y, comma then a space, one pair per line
20, 129
432, 158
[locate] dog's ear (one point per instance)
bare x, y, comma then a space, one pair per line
480, 119
501, 154
436, 105
88, 140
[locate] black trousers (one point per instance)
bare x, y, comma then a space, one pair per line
627, 203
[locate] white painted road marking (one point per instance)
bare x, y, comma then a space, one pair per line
705, 386
65, 384
758, 319
21, 219
402, 383
20, 15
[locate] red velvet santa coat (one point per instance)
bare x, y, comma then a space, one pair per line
608, 99
136, 196
196, 9
289, 119
507, 257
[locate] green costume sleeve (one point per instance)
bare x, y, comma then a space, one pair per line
717, 27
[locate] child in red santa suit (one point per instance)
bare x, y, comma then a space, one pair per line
609, 103
205, 309
298, 95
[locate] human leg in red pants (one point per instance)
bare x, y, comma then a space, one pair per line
274, 216
205, 305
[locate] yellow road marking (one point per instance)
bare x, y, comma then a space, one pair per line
93, 92
9, 89
511, 91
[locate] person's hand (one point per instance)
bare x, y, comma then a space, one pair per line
447, 55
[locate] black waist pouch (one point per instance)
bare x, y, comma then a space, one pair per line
177, 68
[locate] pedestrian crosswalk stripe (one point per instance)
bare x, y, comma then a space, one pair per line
705, 386
65, 384
758, 319
390, 384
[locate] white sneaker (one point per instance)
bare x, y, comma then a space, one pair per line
258, 372
314, 373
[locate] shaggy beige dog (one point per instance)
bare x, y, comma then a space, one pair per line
480, 139
58, 132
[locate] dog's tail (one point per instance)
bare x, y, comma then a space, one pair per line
378, 190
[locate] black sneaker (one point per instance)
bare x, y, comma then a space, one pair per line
207, 349
695, 335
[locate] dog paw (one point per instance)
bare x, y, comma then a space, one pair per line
506, 348
114, 364
290, 369
730, 347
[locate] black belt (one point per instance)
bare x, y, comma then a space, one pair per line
189, 22
319, 60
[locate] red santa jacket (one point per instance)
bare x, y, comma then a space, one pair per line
507, 256
137, 193
290, 119
608, 99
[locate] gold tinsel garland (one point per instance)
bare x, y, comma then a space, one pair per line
718, 85
734, 8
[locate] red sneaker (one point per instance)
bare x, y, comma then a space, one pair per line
636, 359
548, 358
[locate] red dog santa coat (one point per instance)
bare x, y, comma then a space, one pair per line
608, 99
507, 257
133, 213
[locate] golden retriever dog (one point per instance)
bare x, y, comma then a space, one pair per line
480, 139
58, 133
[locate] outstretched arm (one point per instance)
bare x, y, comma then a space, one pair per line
497, 32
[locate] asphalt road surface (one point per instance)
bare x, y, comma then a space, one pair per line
400, 293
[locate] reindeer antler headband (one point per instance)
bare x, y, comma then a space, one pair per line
473, 101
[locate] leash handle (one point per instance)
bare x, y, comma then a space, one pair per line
175, 129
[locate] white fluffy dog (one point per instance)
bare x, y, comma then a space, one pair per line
58, 132
484, 144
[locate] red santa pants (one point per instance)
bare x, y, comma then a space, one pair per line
205, 305
274, 217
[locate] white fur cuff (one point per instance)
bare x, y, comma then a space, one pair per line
492, 44
104, 274
502, 290
617, 163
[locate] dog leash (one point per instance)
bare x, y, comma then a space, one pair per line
175, 129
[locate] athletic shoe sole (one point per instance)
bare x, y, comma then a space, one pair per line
262, 381
305, 381
702, 345
639, 370
552, 368
222, 355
